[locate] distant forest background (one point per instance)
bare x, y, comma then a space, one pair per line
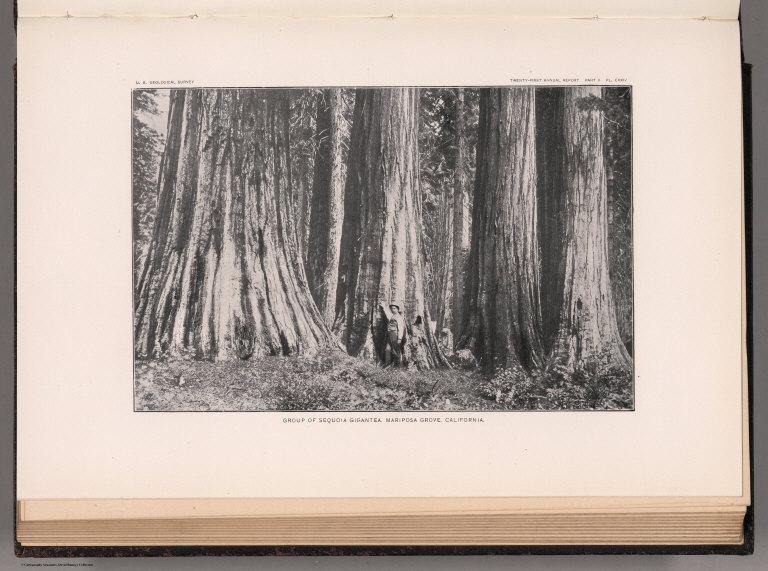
274, 223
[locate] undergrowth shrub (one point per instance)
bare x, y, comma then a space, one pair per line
303, 394
512, 388
323, 363
592, 385
419, 395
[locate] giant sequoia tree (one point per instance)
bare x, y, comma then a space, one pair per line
381, 237
587, 322
439, 260
502, 321
223, 277
323, 246
551, 189
461, 214
617, 109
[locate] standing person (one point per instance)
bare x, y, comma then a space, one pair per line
396, 331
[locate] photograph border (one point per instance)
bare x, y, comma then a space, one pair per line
394, 411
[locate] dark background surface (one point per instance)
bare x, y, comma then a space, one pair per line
755, 40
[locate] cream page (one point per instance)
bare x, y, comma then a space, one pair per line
78, 434
712, 9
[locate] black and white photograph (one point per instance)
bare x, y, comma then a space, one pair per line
388, 249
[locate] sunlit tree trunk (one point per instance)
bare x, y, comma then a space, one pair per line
223, 276
587, 329
441, 264
461, 217
381, 243
503, 319
323, 247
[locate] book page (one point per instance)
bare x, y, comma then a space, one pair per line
713, 9
85, 425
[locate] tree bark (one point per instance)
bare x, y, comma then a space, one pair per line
588, 329
327, 212
440, 297
381, 236
461, 217
551, 169
302, 210
223, 277
503, 319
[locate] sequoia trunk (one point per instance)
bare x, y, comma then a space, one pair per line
503, 319
381, 237
223, 277
550, 160
440, 297
322, 260
587, 329
461, 216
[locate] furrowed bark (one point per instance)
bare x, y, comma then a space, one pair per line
327, 212
381, 236
588, 328
224, 278
551, 170
503, 319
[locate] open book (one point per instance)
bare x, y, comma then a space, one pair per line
299, 274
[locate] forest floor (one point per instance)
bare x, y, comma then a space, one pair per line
337, 382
